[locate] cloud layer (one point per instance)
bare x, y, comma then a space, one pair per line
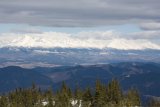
78, 13
96, 39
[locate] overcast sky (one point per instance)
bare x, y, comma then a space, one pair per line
132, 19
79, 13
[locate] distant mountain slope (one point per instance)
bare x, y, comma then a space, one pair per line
144, 76
14, 77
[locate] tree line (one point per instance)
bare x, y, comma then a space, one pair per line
110, 95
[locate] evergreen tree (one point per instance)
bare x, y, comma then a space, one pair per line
100, 98
3, 101
77, 96
114, 92
133, 98
50, 98
87, 98
63, 96
77, 93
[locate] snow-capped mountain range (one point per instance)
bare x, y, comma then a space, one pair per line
64, 40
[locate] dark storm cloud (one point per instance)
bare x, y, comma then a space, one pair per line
78, 13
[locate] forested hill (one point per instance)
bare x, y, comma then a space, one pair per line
143, 76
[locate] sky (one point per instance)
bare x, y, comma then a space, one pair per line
91, 22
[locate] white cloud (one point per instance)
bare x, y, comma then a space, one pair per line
97, 39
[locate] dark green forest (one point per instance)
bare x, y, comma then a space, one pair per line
110, 95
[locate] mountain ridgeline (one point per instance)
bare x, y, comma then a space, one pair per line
143, 76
